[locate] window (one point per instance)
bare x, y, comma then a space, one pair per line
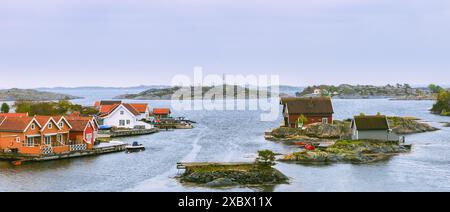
33, 126
50, 125
61, 125
30, 142
48, 140
121, 122
324, 120
18, 139
122, 112
89, 137
128, 122
60, 138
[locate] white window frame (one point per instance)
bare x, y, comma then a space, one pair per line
48, 142
18, 139
89, 137
122, 112
325, 121
61, 125
128, 122
59, 137
29, 142
122, 123
33, 126
50, 125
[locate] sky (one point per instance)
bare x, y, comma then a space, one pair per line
49, 43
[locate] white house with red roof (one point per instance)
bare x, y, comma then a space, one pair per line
124, 115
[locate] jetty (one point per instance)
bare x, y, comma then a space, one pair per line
113, 133
103, 148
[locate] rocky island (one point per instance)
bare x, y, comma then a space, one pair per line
227, 175
32, 95
394, 92
342, 129
346, 151
167, 93
258, 173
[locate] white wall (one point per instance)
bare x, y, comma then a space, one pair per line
114, 118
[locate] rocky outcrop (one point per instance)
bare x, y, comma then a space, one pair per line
409, 125
32, 95
349, 152
232, 175
219, 92
329, 131
312, 134
404, 92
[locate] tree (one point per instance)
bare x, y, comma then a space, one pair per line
301, 121
266, 157
442, 105
435, 88
63, 107
5, 108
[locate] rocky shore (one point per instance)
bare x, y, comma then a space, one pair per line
32, 95
344, 151
228, 175
342, 129
409, 125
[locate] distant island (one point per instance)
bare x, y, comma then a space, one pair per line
167, 93
394, 92
15, 94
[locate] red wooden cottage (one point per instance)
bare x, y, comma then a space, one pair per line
314, 109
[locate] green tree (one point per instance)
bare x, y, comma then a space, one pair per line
302, 120
5, 108
266, 157
442, 105
435, 88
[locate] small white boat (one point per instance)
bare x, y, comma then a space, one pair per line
135, 147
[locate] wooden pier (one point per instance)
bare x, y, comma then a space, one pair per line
100, 149
126, 132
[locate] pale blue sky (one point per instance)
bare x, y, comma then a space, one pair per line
124, 43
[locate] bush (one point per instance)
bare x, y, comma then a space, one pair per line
62, 107
266, 157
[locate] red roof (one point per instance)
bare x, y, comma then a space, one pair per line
97, 104
14, 124
78, 125
14, 114
161, 111
132, 109
141, 108
108, 108
42, 120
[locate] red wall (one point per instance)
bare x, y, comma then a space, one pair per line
311, 119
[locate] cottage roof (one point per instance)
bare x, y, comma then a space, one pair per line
43, 120
371, 122
141, 108
132, 109
14, 114
14, 124
112, 108
78, 125
311, 105
161, 111
110, 102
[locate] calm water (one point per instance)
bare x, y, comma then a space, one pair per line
236, 136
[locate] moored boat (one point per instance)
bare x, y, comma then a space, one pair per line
135, 147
